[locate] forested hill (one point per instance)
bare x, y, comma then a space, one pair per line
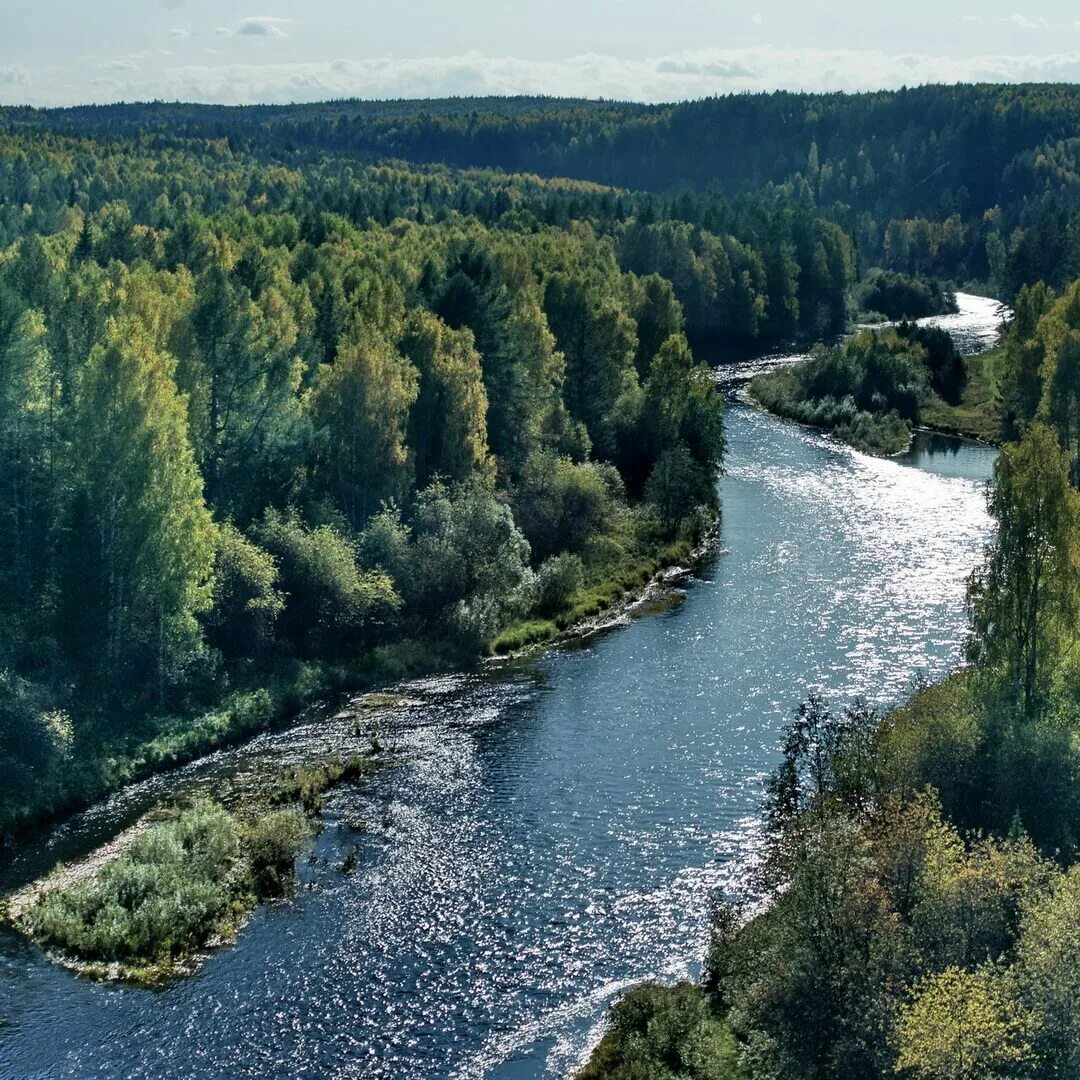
975, 182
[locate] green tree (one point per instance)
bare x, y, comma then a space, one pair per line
1024, 597
246, 600
360, 408
330, 602
448, 421
29, 403
1048, 974
599, 341
141, 553
241, 373
1021, 388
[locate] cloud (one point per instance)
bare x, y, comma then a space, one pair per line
121, 64
14, 76
1024, 23
756, 18
668, 77
261, 26
179, 32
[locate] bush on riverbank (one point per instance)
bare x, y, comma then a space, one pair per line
176, 886
870, 390
657, 1033
184, 882
904, 296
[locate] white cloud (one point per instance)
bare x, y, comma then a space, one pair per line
121, 64
756, 18
261, 26
669, 77
179, 32
1024, 23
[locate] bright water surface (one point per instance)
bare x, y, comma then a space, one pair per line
560, 823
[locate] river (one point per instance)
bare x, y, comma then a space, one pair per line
559, 824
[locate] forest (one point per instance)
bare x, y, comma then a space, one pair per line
966, 182
272, 427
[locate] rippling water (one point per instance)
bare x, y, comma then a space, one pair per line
559, 824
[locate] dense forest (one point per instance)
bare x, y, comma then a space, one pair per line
974, 182
269, 425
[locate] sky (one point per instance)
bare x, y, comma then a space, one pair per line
62, 52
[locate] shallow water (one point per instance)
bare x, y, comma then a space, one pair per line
559, 825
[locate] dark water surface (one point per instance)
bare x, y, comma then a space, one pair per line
559, 824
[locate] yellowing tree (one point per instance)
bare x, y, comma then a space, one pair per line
360, 408
142, 548
961, 1025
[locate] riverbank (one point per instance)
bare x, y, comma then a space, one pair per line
976, 415
557, 823
298, 687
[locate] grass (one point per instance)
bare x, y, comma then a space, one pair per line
977, 415
307, 784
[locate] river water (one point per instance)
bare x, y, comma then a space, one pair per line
559, 824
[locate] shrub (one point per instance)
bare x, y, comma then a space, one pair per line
900, 296
273, 843
560, 504
164, 895
665, 1031
329, 599
246, 601
557, 580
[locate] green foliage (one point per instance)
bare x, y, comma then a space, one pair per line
561, 505
1021, 376
140, 539
360, 408
1025, 596
867, 391
677, 485
1047, 974
468, 566
162, 897
329, 601
272, 843
557, 581
661, 1032
901, 296
448, 423
246, 603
